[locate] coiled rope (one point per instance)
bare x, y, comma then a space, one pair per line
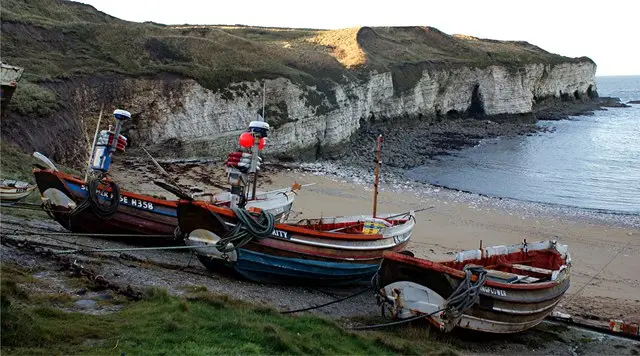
103, 210
465, 295
247, 228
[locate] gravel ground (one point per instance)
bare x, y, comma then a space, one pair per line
176, 271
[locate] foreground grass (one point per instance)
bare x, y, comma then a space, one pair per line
199, 323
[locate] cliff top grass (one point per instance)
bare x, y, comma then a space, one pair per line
59, 39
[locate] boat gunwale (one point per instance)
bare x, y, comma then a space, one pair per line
304, 230
458, 274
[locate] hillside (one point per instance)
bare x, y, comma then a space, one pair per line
57, 39
197, 83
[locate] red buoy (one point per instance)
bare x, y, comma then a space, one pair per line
246, 140
262, 143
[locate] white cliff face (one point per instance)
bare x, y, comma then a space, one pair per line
204, 120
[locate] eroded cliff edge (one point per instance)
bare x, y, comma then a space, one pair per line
192, 100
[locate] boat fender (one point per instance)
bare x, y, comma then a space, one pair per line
57, 199
208, 240
468, 255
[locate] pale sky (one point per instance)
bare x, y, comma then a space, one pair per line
606, 31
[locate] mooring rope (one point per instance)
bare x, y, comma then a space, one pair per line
397, 322
101, 210
328, 303
123, 249
72, 234
247, 228
466, 294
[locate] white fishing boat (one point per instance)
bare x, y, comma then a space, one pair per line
12, 191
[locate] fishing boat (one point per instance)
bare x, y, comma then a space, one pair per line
9, 78
13, 191
499, 289
328, 250
114, 211
99, 206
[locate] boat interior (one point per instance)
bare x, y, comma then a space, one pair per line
363, 226
517, 267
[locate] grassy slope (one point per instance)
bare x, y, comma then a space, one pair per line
198, 324
58, 39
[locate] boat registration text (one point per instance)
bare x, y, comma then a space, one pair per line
136, 203
493, 291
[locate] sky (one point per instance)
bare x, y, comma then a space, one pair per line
607, 32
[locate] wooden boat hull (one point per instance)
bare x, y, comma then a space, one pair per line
293, 254
136, 214
12, 191
411, 286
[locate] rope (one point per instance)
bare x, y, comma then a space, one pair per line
101, 210
597, 274
371, 287
329, 303
465, 295
403, 321
71, 234
158, 248
246, 229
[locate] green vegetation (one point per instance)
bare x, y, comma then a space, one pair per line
34, 100
58, 39
199, 323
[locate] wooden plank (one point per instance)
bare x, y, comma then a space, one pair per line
532, 269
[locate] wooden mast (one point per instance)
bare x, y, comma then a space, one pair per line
256, 144
377, 175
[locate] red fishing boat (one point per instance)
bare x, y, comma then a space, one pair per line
99, 206
500, 289
109, 210
333, 250
328, 250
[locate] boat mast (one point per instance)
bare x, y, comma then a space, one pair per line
254, 157
93, 145
377, 175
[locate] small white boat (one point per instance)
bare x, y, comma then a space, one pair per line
12, 191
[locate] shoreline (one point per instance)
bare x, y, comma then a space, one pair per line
409, 142
604, 282
395, 181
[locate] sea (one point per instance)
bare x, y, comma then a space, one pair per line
589, 162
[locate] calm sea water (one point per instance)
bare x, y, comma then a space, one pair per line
590, 162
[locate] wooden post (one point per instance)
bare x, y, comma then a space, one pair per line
377, 175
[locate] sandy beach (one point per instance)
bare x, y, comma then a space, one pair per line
605, 250
451, 226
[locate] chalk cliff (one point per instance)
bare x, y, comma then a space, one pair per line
207, 123
192, 89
